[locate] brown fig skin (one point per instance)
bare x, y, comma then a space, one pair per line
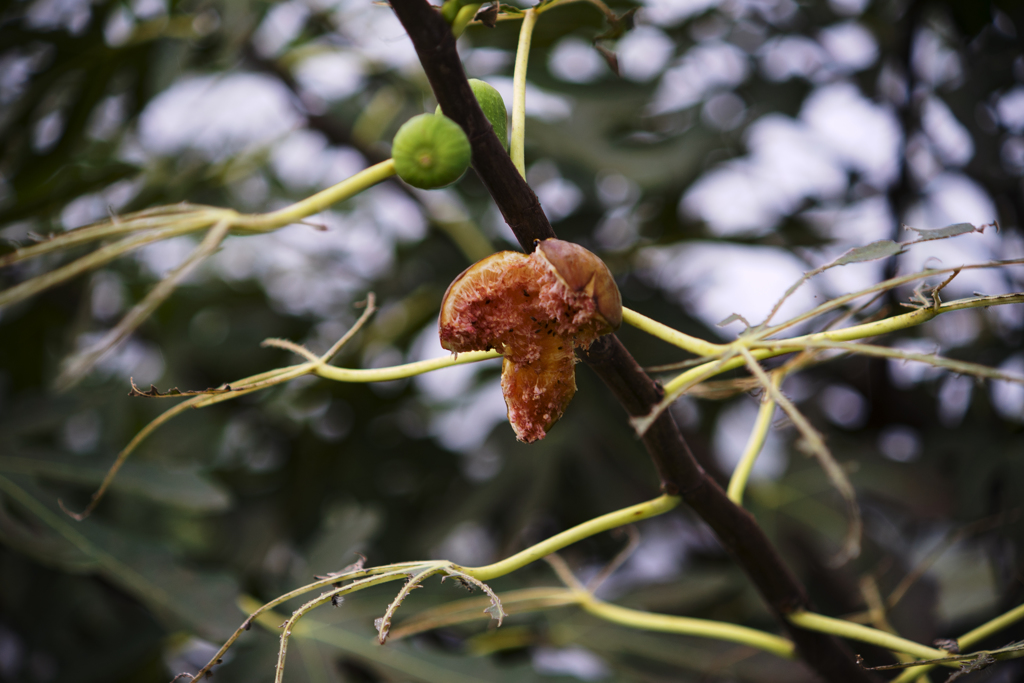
538, 393
535, 309
582, 271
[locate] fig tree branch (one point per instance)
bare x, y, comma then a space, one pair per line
680, 474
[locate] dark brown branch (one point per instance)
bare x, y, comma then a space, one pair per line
435, 46
679, 471
736, 529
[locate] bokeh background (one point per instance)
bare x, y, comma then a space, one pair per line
745, 142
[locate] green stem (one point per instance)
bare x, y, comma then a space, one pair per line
755, 443
654, 328
462, 19
892, 283
968, 639
134, 222
621, 615
814, 444
534, 599
104, 255
279, 376
518, 142
261, 613
191, 221
961, 367
687, 626
402, 371
606, 522
612, 520
872, 329
865, 634
321, 600
321, 200
990, 627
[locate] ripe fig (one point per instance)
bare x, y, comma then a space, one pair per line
535, 309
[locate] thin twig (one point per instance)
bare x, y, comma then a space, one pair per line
383, 624
620, 558
81, 363
957, 366
814, 444
297, 349
949, 541
371, 308
393, 570
95, 259
239, 388
755, 442
517, 145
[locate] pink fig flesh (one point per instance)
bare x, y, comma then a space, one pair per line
535, 310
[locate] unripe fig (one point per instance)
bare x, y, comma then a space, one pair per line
535, 309
449, 9
493, 106
430, 151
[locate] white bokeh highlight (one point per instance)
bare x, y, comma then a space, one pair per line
732, 430
217, 116
1008, 397
643, 53
704, 69
850, 46
576, 61
791, 160
713, 280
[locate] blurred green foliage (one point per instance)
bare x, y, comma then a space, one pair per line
255, 496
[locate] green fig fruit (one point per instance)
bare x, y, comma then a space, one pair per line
493, 107
430, 151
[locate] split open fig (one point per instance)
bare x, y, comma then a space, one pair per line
536, 310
